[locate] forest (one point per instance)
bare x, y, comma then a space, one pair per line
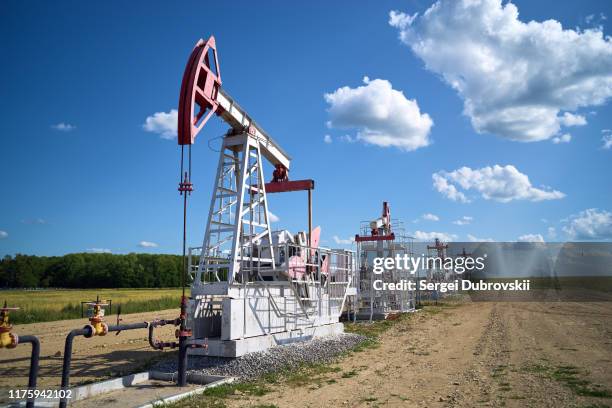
88, 270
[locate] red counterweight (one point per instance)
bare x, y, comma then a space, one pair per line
199, 89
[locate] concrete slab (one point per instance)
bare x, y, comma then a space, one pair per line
237, 348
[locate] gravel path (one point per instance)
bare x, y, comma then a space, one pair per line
249, 366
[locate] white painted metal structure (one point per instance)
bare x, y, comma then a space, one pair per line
378, 304
251, 288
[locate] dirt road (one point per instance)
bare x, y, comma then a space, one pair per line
477, 354
95, 358
474, 354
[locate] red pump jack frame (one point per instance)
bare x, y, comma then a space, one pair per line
281, 184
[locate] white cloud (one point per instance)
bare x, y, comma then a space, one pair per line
499, 183
273, 217
3, 234
163, 123
517, 80
592, 18
430, 217
147, 244
607, 141
430, 236
465, 220
348, 139
63, 127
448, 190
591, 224
569, 119
99, 250
565, 138
531, 238
34, 221
340, 241
382, 115
472, 238
327, 139
552, 233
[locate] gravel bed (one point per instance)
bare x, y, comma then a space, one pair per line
252, 365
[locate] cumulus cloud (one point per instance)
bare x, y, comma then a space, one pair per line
147, 244
441, 184
99, 250
430, 217
531, 238
348, 138
606, 139
570, 119
590, 224
34, 221
3, 234
499, 183
552, 233
465, 220
382, 115
518, 80
163, 123
473, 238
63, 127
327, 139
273, 217
565, 138
430, 236
340, 241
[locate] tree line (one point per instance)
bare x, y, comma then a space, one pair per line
85, 270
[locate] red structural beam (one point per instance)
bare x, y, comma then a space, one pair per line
286, 186
389, 237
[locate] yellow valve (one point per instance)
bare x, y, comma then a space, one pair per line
7, 339
98, 327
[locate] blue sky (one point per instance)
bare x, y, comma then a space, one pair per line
101, 182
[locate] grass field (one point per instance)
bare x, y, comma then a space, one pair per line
59, 304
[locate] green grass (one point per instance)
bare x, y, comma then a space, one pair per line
62, 304
349, 374
568, 375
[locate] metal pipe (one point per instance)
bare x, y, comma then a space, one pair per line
88, 332
34, 358
132, 326
182, 362
182, 358
309, 217
160, 345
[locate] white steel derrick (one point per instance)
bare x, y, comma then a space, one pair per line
238, 220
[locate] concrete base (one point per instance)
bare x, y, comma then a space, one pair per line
239, 347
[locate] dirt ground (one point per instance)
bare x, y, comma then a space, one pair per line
473, 354
477, 354
92, 359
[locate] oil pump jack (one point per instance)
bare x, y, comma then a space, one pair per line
382, 238
252, 287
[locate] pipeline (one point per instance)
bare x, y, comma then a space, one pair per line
87, 332
34, 358
160, 345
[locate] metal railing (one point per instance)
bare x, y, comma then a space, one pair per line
319, 278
